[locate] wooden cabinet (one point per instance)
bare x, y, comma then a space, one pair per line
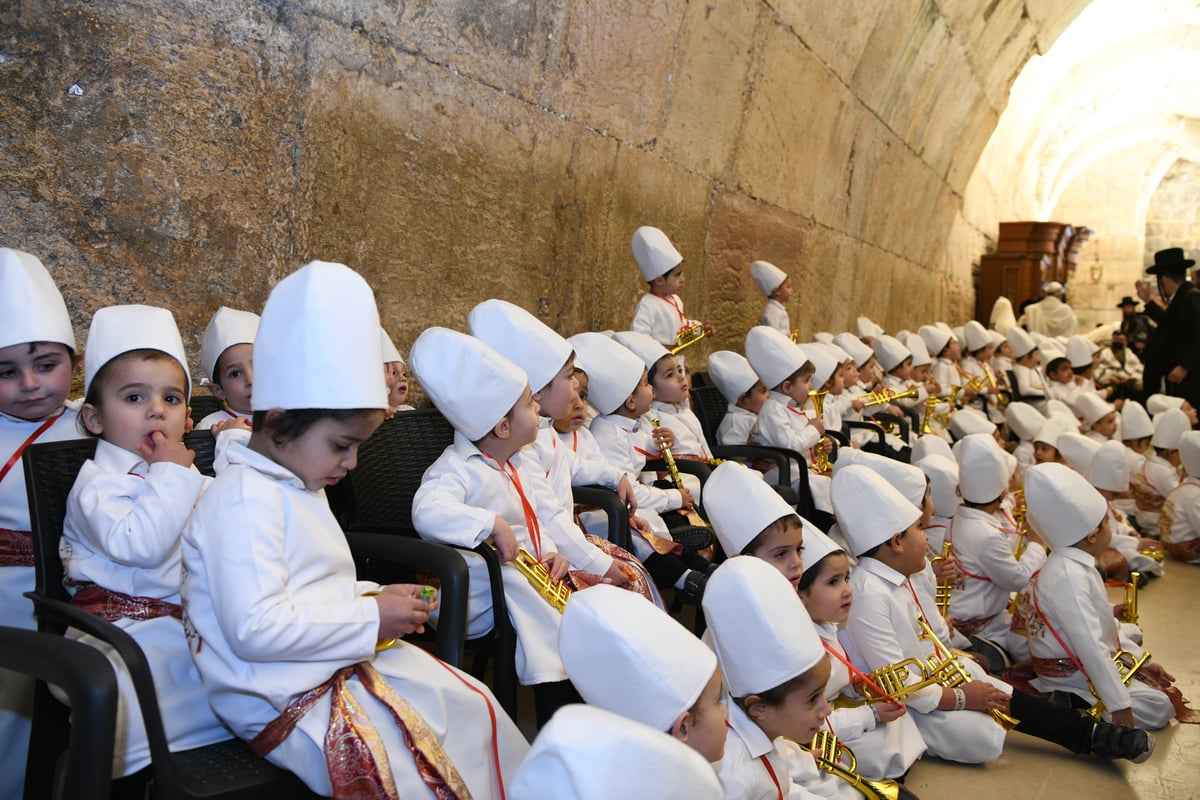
1028, 255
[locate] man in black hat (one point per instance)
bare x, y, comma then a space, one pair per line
1173, 352
1135, 326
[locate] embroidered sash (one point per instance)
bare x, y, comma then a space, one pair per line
16, 548
112, 606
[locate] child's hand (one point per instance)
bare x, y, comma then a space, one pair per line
819, 424
827, 445
625, 492
504, 540
686, 501
664, 436
638, 524
159, 449
556, 564
947, 570
615, 575
1123, 717
969, 393
857, 405
894, 410
982, 696
229, 424
709, 329
889, 711
402, 611
1155, 673
762, 464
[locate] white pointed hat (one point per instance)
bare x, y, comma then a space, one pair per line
468, 381
31, 307
387, 348
983, 470
1023, 419
732, 374
587, 753
653, 252
740, 505
997, 337
906, 477
1062, 506
228, 327
967, 421
916, 346
643, 346
824, 337
1158, 403
626, 655
1189, 453
1169, 427
935, 338
1109, 469
613, 370
318, 343
816, 546
959, 336
865, 327
1079, 351
766, 276
1057, 409
521, 338
1077, 450
976, 336
1022, 343
860, 352
931, 444
773, 355
942, 473
1052, 429
119, 329
869, 510
890, 351
744, 601
1135, 422
1091, 408
825, 363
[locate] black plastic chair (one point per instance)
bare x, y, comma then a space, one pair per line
204, 445
85, 771
709, 406
202, 404
224, 770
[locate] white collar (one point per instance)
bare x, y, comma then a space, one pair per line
881, 570
757, 743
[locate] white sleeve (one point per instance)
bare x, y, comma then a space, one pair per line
440, 511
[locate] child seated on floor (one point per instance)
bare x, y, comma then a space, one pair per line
1073, 635
1108, 472
1097, 415
1136, 431
1159, 475
226, 354
1179, 525
125, 515
297, 654
1061, 383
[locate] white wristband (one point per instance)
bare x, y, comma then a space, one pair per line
960, 699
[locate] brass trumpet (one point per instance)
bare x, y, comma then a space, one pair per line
828, 753
821, 464
556, 593
1126, 671
883, 395
686, 337
668, 458
951, 673
943, 589
930, 404
1131, 604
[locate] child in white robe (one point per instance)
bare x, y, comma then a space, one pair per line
1108, 472
777, 286
226, 356
37, 360
395, 375
125, 514
1159, 474
1030, 386
659, 313
280, 625
744, 394
1179, 525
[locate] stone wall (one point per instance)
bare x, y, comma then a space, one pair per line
458, 150
1173, 216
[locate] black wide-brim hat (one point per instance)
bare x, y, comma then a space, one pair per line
1127, 301
1170, 262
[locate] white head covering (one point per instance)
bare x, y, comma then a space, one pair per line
1078, 450
653, 252
119, 329
997, 338
227, 327
31, 307
930, 445
732, 374
1158, 403
468, 381
613, 371
744, 602
1063, 506
825, 363
586, 753
869, 510
1051, 350
1052, 429
935, 338
824, 337
916, 346
864, 327
766, 276
943, 483
957, 330
642, 346
1189, 453
1022, 343
890, 351
1002, 317
387, 348
816, 546
1169, 427
1023, 419
1079, 352
860, 352
1054, 287
1057, 409
1109, 470
773, 355
740, 505
983, 471
521, 338
1135, 422
318, 343
967, 421
1091, 408
908, 478
976, 336
627, 656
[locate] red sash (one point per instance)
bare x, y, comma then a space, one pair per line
112, 606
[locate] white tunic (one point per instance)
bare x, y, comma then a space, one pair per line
274, 608
782, 424
1070, 596
775, 315
739, 426
945, 374
460, 497
660, 317
1158, 477
991, 573
626, 444
1185, 512
16, 690
883, 629
1127, 541
689, 433
122, 532
1030, 386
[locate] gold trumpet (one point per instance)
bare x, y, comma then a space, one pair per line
556, 593
942, 592
930, 404
951, 673
686, 337
1131, 604
668, 458
883, 395
1021, 517
829, 752
821, 464
1126, 671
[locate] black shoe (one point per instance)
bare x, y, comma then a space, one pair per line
693, 586
1117, 741
905, 794
693, 537
997, 660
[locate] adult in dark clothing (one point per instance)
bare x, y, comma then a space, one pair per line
1136, 326
1173, 353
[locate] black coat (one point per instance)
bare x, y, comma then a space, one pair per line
1176, 342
